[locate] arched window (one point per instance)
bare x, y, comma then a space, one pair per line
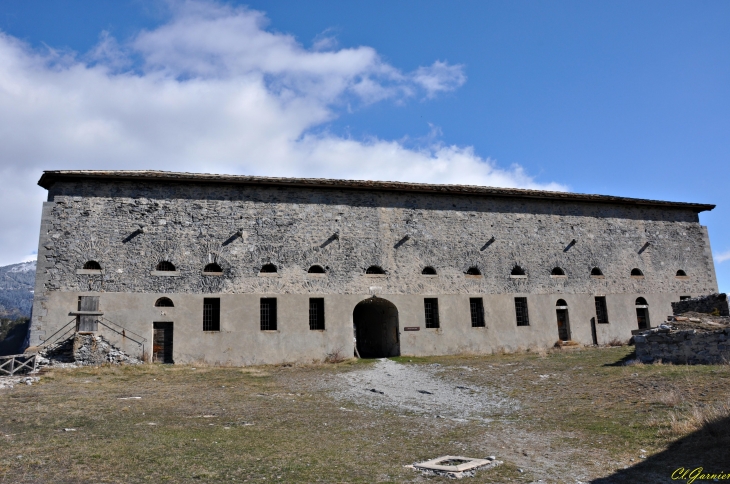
316, 269
165, 266
518, 271
473, 271
636, 272
428, 271
374, 270
561, 302
681, 273
164, 302
596, 272
92, 265
268, 268
212, 267
640, 301
557, 271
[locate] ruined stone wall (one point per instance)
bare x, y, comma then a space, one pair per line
244, 227
705, 304
684, 347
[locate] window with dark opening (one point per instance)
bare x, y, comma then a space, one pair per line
431, 307
212, 267
165, 266
640, 301
636, 272
601, 310
428, 271
92, 265
523, 318
473, 271
681, 273
164, 302
315, 269
518, 271
316, 313
211, 314
374, 270
557, 271
476, 307
684, 298
596, 272
268, 314
268, 268
561, 302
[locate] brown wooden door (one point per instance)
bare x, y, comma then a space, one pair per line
642, 318
563, 329
162, 343
88, 323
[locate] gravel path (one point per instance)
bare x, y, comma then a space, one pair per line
419, 389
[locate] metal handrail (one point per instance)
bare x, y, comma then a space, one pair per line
123, 334
125, 329
54, 334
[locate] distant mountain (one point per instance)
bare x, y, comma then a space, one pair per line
16, 289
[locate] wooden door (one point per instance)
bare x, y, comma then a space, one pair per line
642, 318
162, 343
87, 323
563, 329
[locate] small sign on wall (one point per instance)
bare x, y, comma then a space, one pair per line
412, 328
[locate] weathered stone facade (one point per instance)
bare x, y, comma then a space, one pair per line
130, 222
684, 347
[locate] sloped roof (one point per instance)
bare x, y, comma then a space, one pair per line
52, 176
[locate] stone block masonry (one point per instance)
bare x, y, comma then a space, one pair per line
684, 347
716, 304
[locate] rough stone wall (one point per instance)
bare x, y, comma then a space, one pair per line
684, 347
705, 304
130, 227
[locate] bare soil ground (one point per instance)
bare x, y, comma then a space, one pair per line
565, 416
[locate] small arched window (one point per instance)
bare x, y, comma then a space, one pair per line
92, 265
164, 302
681, 273
268, 269
561, 302
596, 272
316, 269
374, 270
165, 266
212, 267
640, 301
518, 271
428, 271
557, 271
636, 272
473, 271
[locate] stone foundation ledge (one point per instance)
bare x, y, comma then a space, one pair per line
684, 347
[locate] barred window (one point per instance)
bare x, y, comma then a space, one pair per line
476, 305
601, 311
431, 307
211, 314
316, 313
523, 318
268, 314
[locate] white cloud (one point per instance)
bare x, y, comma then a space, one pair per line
722, 256
211, 90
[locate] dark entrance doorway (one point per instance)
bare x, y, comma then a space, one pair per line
642, 313
376, 328
162, 343
561, 311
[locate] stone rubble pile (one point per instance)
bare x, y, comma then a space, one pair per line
84, 350
8, 382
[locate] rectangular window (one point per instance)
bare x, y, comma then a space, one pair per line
268, 314
523, 319
601, 312
684, 298
431, 306
316, 313
211, 314
476, 305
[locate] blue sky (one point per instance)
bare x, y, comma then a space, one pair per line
621, 98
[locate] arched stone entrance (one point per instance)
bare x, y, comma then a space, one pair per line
376, 328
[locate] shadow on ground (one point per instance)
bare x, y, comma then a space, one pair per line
707, 449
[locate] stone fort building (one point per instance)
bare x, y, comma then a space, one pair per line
183, 267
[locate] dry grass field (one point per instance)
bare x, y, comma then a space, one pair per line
566, 416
